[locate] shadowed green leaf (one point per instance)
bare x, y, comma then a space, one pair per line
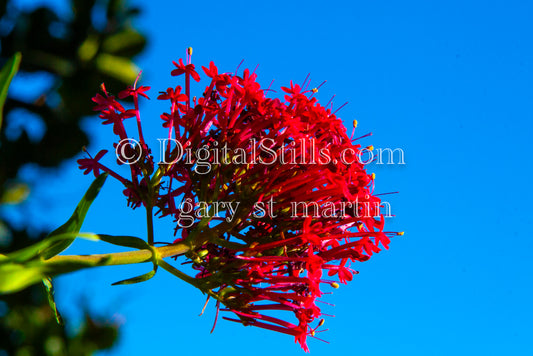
6, 74
73, 225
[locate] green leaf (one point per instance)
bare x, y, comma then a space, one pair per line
50, 294
15, 276
6, 74
22, 268
73, 225
33, 251
125, 241
137, 279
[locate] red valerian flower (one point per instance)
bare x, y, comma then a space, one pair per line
272, 212
174, 95
185, 69
134, 92
212, 71
91, 164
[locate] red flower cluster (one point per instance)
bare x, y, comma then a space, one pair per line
291, 233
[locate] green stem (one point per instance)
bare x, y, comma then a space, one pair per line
150, 224
183, 276
192, 281
121, 258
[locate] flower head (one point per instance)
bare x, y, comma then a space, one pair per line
273, 212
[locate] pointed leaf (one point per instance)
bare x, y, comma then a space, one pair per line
73, 225
16, 276
34, 251
126, 241
138, 279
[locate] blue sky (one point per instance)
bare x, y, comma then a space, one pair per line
448, 82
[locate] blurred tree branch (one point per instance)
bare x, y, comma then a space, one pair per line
93, 43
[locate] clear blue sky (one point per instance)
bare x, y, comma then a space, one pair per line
449, 82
